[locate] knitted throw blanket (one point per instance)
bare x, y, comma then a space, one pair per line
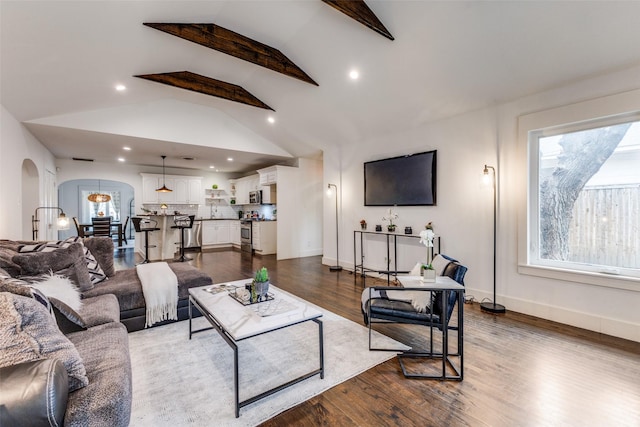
160, 289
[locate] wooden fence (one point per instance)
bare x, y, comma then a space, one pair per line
605, 228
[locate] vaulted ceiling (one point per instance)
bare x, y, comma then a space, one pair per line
61, 61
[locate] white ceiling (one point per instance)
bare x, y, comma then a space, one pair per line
60, 61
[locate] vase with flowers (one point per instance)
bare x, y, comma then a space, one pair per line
363, 224
426, 238
391, 216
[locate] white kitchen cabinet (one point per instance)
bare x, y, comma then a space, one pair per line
216, 232
149, 186
222, 232
195, 191
234, 232
264, 237
209, 235
269, 194
181, 190
268, 176
187, 190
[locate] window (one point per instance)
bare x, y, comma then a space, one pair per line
110, 208
584, 198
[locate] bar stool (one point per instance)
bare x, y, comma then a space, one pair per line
145, 225
182, 222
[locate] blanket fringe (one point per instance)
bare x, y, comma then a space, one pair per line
168, 311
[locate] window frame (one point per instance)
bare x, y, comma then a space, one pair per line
595, 113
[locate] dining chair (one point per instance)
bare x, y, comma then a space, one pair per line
101, 226
80, 230
124, 230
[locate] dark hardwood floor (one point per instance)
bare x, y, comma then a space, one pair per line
519, 370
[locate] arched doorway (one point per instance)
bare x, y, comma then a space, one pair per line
72, 196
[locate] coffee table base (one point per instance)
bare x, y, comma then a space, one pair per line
232, 343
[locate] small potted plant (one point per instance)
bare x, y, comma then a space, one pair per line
261, 284
426, 238
391, 227
363, 224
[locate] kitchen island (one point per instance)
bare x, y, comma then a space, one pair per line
163, 243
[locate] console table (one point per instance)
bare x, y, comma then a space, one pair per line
392, 242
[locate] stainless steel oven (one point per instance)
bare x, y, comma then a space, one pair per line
245, 236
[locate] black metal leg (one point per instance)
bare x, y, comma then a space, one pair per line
182, 257
236, 380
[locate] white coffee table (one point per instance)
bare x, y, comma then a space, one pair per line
236, 322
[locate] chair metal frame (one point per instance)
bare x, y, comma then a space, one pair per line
447, 301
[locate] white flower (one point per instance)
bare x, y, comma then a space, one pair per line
426, 237
390, 216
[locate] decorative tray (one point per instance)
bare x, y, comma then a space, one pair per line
269, 297
215, 289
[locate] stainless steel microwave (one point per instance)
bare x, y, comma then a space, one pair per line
255, 197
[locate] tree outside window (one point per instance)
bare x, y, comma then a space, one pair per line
588, 199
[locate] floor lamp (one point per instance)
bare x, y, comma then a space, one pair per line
63, 221
492, 307
336, 267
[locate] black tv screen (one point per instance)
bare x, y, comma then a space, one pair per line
401, 181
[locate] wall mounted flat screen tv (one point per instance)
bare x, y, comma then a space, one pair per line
401, 181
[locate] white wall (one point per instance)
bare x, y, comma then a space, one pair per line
16, 145
300, 196
463, 215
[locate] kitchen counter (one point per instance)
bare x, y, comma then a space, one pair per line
235, 219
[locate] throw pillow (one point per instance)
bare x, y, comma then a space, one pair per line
28, 332
439, 263
68, 261
59, 287
22, 288
95, 271
67, 318
102, 249
6, 263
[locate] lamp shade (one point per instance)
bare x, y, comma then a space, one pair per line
99, 197
63, 222
164, 188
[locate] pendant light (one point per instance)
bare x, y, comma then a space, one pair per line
99, 197
164, 188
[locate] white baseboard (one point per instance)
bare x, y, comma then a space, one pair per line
588, 321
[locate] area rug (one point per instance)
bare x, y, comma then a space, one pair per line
182, 382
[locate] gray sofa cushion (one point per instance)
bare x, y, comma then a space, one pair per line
126, 286
106, 401
29, 332
67, 261
99, 310
102, 249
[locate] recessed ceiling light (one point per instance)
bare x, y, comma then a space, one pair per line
121, 88
354, 74
229, 159
121, 159
126, 148
271, 119
212, 167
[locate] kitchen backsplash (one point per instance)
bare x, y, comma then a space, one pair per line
215, 210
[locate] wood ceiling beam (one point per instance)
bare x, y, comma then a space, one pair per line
206, 85
358, 10
234, 44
